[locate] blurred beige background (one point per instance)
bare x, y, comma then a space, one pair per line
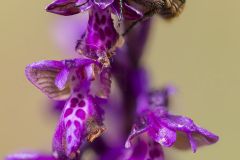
197, 52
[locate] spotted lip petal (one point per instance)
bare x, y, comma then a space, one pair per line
29, 156
79, 122
100, 36
82, 118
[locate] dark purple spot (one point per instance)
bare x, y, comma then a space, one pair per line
154, 153
68, 112
108, 31
73, 105
81, 103
77, 132
81, 114
80, 96
74, 100
103, 20
69, 123
109, 44
102, 48
90, 21
97, 18
95, 38
77, 124
140, 150
76, 90
80, 73
73, 149
156, 143
101, 34
73, 78
95, 27
69, 139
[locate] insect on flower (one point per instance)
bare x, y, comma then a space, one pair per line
166, 8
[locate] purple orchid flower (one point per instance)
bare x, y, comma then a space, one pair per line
84, 85
71, 7
101, 37
155, 120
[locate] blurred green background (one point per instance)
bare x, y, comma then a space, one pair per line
197, 52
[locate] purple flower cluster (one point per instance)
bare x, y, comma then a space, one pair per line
83, 85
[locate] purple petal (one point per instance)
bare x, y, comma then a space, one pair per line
204, 137
68, 7
63, 7
139, 151
70, 130
51, 76
196, 135
155, 151
78, 123
29, 156
42, 74
160, 98
139, 128
192, 143
163, 135
62, 79
179, 123
212, 138
103, 4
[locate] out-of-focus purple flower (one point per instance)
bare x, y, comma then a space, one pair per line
155, 120
71, 7
142, 149
57, 106
66, 31
84, 84
30, 156
145, 149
